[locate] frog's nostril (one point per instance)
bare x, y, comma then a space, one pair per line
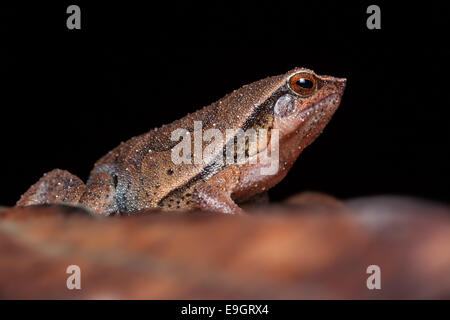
341, 83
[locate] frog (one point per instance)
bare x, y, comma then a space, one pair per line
292, 109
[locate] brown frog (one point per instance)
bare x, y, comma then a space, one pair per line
141, 173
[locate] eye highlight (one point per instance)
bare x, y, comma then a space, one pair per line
304, 84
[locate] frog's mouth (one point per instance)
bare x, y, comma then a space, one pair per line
315, 118
321, 109
316, 115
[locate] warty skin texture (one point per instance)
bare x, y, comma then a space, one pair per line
140, 174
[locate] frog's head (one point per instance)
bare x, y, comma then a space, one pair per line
294, 108
299, 104
304, 104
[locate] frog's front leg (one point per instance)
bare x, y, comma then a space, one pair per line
215, 193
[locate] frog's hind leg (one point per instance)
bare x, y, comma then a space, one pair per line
100, 193
56, 186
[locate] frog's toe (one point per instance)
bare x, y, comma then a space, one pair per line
56, 186
100, 194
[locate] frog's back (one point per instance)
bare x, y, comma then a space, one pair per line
143, 166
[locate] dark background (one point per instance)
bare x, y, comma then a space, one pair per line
69, 96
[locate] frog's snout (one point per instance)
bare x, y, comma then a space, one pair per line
341, 83
338, 84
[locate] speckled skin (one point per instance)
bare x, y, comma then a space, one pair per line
139, 173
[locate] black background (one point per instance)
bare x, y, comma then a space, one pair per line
69, 96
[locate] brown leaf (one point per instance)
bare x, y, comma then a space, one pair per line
284, 251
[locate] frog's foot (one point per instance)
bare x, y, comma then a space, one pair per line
56, 186
209, 198
215, 193
100, 194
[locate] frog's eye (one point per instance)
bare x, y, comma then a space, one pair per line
303, 83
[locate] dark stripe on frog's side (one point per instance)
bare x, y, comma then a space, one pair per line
262, 117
